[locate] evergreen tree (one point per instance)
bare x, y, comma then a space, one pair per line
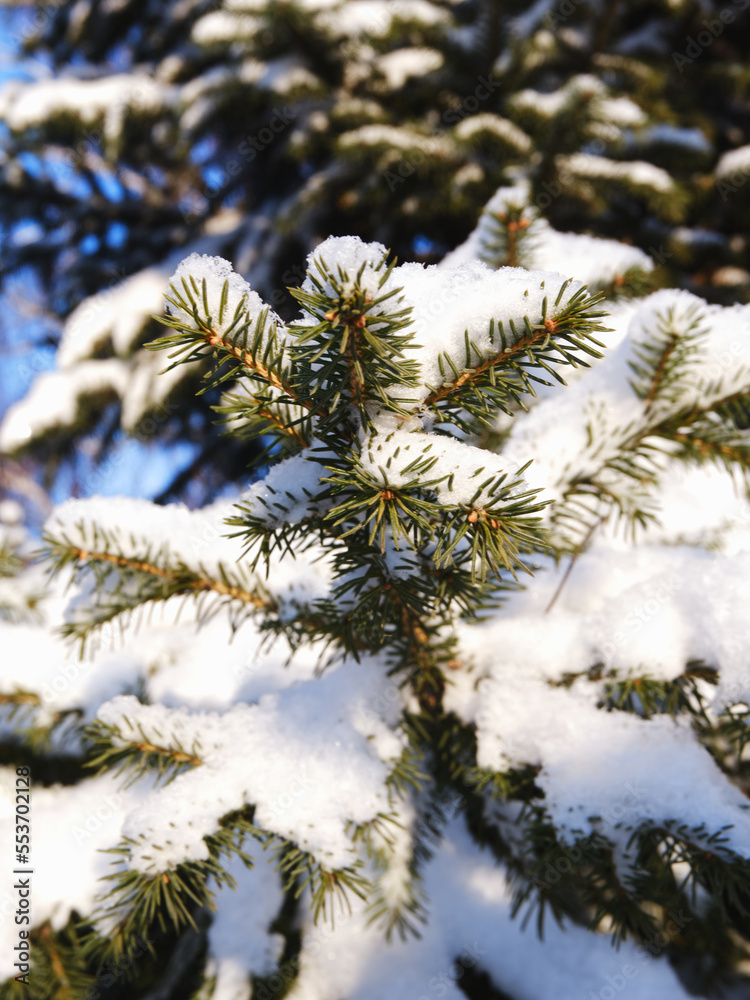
255, 129
484, 708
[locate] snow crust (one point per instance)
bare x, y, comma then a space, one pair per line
470, 927
239, 940
311, 758
650, 610
504, 129
556, 432
72, 828
119, 312
735, 161
639, 173
23, 105
55, 397
450, 306
401, 64
462, 471
199, 271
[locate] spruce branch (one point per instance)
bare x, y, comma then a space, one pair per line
510, 236
252, 410
485, 383
666, 356
59, 973
353, 351
139, 902
251, 345
298, 868
111, 750
126, 583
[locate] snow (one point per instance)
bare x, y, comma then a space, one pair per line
539, 104
556, 431
588, 756
239, 940
376, 17
401, 64
222, 26
312, 759
736, 161
650, 610
24, 105
590, 259
621, 111
505, 130
73, 826
312, 750
593, 260
450, 305
548, 105
390, 136
57, 398
172, 535
470, 927
461, 470
672, 135
522, 25
214, 273
288, 493
54, 400
119, 312
634, 172
285, 76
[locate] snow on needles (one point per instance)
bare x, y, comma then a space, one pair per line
197, 286
447, 305
311, 759
576, 432
590, 259
56, 397
173, 535
461, 473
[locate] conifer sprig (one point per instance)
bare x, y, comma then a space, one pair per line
247, 344
137, 754
128, 582
487, 383
663, 360
353, 351
511, 235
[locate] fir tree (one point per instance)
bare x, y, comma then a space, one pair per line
485, 671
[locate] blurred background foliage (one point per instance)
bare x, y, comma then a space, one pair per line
137, 131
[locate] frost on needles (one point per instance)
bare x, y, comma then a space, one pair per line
435, 712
